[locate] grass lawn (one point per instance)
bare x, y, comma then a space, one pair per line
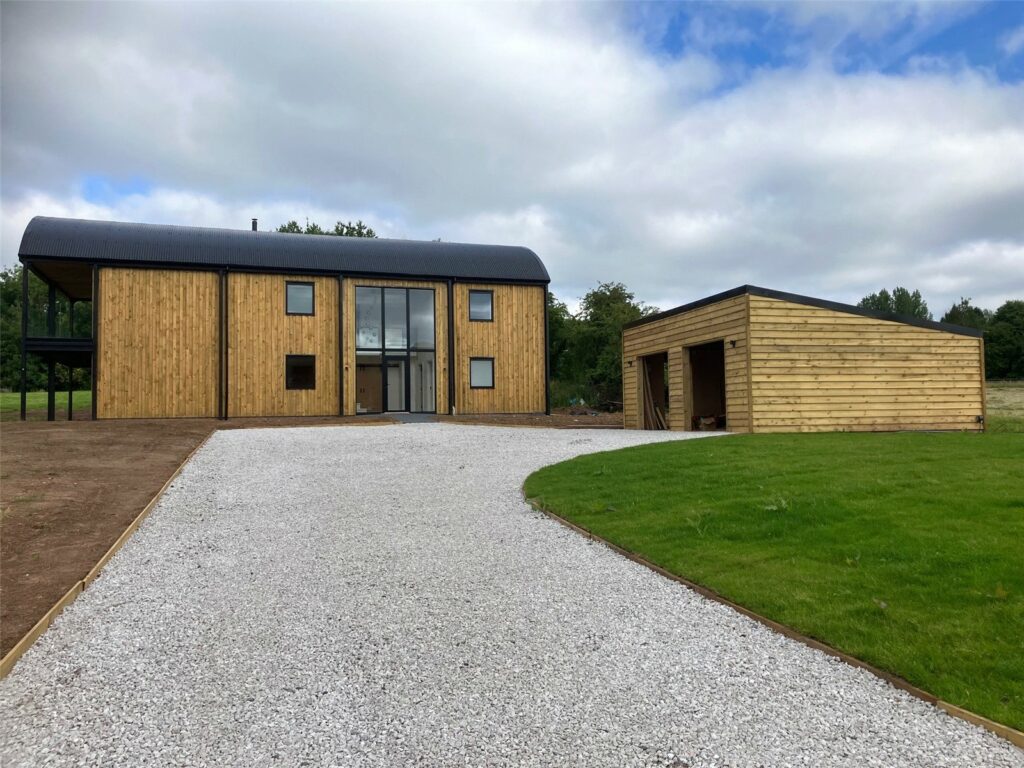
1005, 406
905, 550
10, 402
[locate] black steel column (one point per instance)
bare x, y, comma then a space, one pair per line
220, 344
225, 340
24, 337
341, 345
71, 387
95, 307
71, 371
51, 366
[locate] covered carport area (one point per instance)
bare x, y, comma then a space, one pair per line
59, 330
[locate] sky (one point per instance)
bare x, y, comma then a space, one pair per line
828, 149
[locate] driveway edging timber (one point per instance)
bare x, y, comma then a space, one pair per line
14, 655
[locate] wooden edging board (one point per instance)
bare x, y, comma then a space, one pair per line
1012, 735
12, 656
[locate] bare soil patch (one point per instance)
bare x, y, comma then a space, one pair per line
68, 490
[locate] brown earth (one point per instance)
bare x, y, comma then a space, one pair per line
69, 489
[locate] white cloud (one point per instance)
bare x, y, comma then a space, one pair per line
1012, 42
542, 125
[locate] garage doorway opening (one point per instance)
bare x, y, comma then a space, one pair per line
707, 385
654, 382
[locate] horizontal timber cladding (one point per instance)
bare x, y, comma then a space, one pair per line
440, 336
158, 337
514, 338
722, 321
260, 336
815, 369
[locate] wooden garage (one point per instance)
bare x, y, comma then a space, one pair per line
191, 321
757, 360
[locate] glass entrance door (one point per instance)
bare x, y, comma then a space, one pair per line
395, 383
395, 340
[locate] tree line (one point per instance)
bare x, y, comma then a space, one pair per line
585, 346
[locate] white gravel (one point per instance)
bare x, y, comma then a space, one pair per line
383, 596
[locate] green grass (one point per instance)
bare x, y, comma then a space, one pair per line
904, 550
10, 402
1005, 411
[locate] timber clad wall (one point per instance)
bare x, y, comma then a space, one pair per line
440, 336
725, 320
817, 369
515, 339
807, 368
260, 335
158, 343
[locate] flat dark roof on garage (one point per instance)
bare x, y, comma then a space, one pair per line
120, 243
810, 301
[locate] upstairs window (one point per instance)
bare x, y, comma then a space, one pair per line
298, 298
300, 372
481, 306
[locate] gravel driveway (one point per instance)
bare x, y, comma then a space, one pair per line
382, 596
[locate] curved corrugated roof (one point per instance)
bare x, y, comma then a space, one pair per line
113, 241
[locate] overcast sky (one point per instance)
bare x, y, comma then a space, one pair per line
825, 149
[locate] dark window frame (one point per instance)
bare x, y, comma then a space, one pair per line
404, 354
312, 285
287, 360
469, 306
493, 376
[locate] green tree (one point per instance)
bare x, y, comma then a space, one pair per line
10, 330
341, 229
1004, 342
901, 302
966, 314
594, 357
561, 327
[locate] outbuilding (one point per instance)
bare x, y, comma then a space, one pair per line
191, 321
757, 360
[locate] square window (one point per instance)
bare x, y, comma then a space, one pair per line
300, 372
481, 372
481, 306
298, 298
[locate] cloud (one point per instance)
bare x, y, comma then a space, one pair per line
550, 126
1012, 42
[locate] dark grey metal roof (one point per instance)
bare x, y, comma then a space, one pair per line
810, 301
155, 244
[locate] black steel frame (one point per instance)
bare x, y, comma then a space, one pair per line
398, 354
312, 286
288, 359
470, 372
469, 306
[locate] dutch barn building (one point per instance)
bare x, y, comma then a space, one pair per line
756, 360
200, 322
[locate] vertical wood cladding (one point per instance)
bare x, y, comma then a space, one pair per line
440, 336
158, 343
515, 339
815, 369
726, 321
260, 335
